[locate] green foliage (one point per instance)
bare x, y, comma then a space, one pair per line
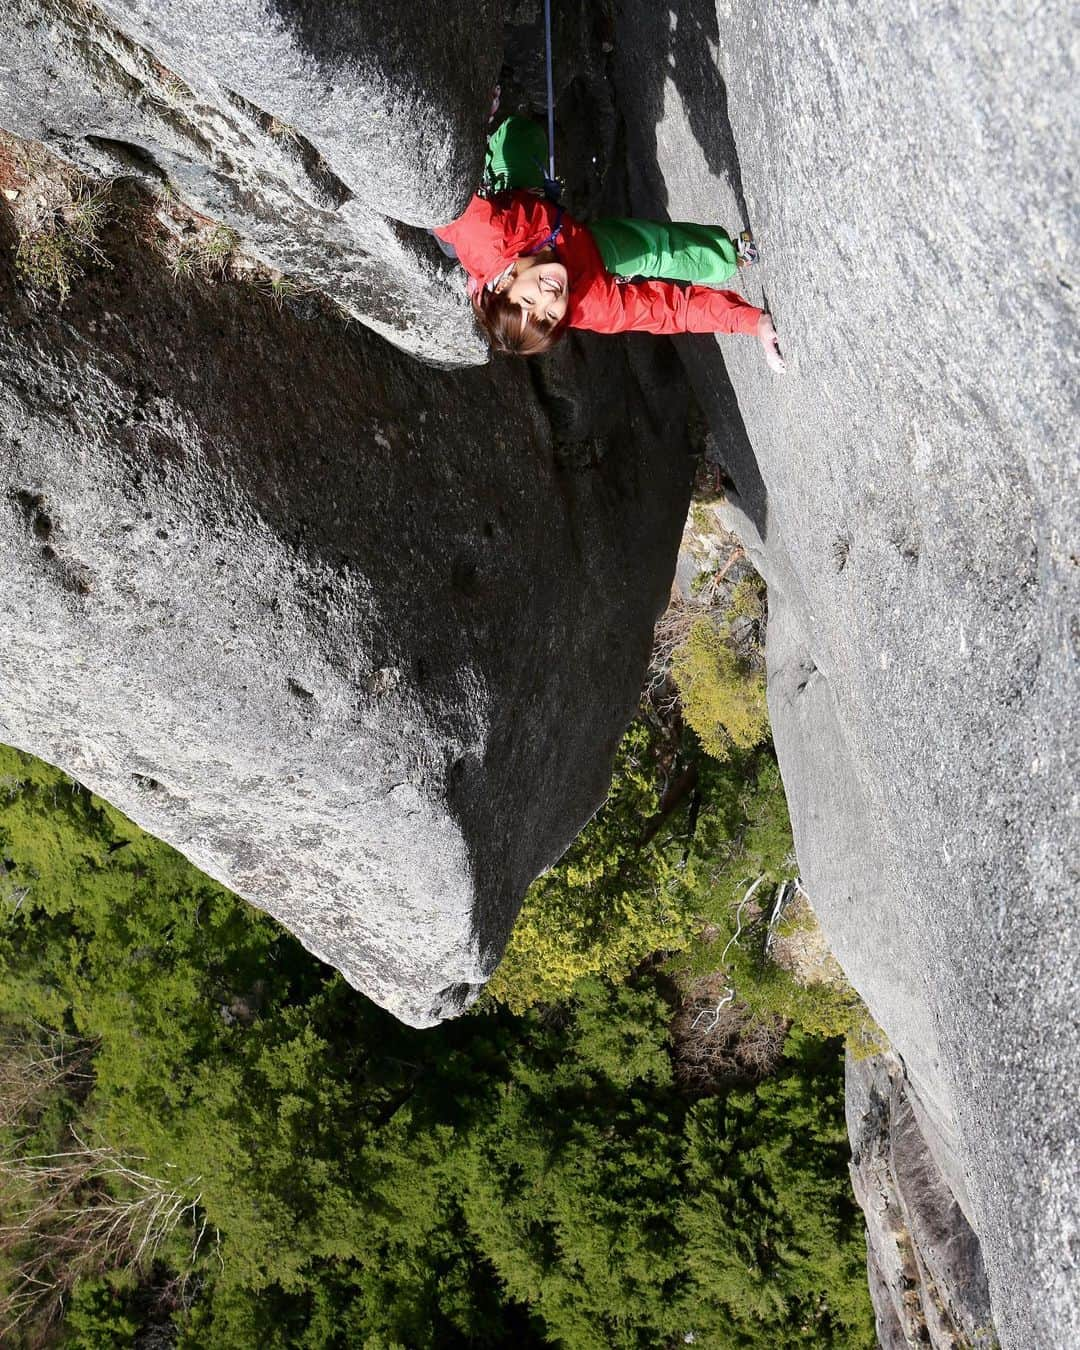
623, 893
765, 851
528, 1180
628, 1220
638, 881
280, 289
573, 1182
744, 829
747, 599
700, 580
45, 262
99, 1317
770, 1228
207, 252
620, 1032
723, 696
611, 901
51, 252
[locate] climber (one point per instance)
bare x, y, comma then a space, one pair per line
534, 271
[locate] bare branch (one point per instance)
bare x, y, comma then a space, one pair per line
79, 1213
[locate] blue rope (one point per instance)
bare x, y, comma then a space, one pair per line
550, 93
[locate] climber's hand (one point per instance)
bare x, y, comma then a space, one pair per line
771, 344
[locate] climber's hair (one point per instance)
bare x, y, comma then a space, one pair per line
509, 329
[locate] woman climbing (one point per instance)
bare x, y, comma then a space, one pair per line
534, 271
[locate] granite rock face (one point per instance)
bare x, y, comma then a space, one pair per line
392, 95
324, 134
358, 636
380, 629
910, 490
349, 632
927, 1278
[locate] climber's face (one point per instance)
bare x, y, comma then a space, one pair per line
539, 287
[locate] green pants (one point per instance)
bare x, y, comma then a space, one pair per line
517, 158
674, 250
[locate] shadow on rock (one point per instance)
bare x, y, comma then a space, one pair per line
676, 42
377, 641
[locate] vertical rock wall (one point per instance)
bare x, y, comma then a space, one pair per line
910, 491
927, 1278
377, 641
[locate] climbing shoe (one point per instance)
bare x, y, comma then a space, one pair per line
746, 250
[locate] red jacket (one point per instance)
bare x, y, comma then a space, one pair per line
494, 232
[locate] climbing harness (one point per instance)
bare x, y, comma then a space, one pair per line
550, 239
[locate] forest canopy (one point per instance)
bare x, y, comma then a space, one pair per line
211, 1139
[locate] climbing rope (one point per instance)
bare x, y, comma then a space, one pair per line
550, 93
552, 187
